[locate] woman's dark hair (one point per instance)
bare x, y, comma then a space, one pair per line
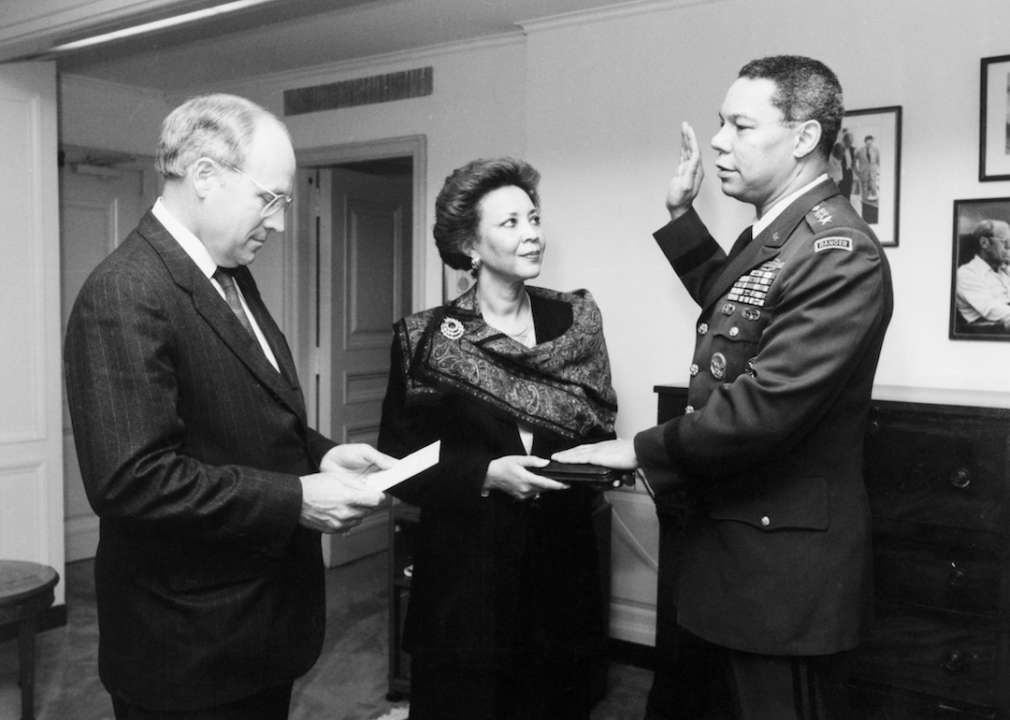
457, 208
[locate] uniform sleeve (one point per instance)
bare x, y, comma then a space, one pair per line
832, 307
692, 252
123, 393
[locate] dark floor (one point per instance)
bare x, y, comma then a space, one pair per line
348, 682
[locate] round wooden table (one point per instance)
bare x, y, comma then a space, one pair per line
26, 589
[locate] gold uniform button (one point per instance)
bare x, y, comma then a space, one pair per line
734, 331
689, 409
694, 369
765, 521
703, 329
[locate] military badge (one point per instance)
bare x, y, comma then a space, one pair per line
821, 214
728, 309
833, 243
752, 288
718, 366
752, 314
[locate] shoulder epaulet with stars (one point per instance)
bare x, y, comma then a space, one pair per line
823, 218
820, 217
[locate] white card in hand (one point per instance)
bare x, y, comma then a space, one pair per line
405, 468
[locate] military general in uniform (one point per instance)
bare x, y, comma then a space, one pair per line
772, 572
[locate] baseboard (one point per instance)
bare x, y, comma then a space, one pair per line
633, 623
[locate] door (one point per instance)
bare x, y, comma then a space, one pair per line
364, 285
102, 198
31, 453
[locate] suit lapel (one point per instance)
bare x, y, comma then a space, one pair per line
215, 311
768, 243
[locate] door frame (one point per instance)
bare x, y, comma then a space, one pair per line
301, 316
300, 313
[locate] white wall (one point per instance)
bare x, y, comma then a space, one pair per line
596, 102
106, 116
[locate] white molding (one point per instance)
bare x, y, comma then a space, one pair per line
81, 537
942, 396
611, 12
633, 623
321, 74
33, 26
91, 84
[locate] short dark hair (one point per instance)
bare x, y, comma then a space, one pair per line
457, 207
806, 89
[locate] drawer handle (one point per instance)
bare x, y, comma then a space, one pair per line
954, 662
957, 576
960, 478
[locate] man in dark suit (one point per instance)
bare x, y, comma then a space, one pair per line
193, 441
772, 573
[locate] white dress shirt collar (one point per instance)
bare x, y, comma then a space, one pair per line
780, 207
201, 256
190, 242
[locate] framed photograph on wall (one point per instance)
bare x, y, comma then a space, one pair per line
994, 117
980, 277
866, 164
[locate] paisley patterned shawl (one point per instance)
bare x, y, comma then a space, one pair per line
562, 385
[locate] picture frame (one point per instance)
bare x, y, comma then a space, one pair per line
866, 164
972, 283
994, 119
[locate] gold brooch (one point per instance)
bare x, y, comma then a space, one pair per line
452, 328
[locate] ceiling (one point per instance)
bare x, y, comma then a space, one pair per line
286, 35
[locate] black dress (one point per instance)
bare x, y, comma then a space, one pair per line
505, 611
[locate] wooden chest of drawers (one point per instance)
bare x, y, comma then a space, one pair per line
937, 477
939, 646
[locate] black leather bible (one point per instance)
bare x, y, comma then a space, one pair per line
581, 472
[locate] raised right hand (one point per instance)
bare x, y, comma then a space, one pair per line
686, 182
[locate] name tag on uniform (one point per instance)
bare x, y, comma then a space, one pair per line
833, 243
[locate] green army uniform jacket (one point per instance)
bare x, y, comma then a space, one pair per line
775, 556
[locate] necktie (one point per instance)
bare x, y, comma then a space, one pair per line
741, 242
227, 283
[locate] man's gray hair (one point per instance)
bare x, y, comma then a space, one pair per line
217, 126
985, 229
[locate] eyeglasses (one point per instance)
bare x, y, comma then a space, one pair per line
274, 204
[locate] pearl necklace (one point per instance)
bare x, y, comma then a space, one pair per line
526, 327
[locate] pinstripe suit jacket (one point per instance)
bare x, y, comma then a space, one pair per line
190, 445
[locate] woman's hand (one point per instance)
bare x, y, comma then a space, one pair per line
510, 475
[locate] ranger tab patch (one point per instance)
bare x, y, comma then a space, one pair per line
833, 243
